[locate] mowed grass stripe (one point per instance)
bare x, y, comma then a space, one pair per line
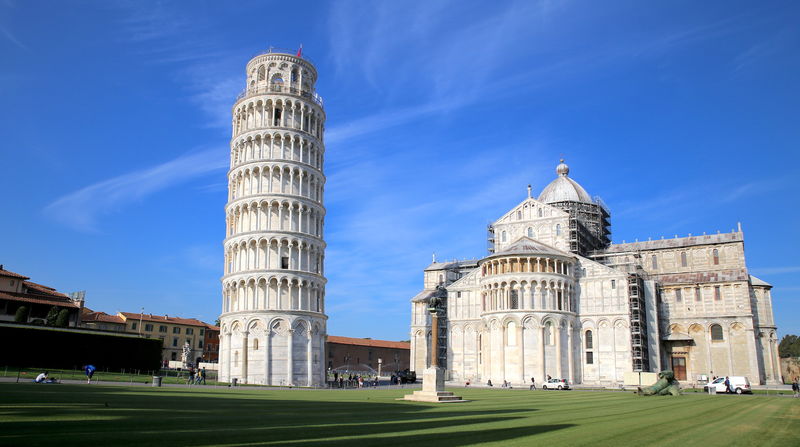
77, 414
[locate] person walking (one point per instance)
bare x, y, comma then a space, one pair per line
89, 370
533, 384
203, 375
728, 385
796, 387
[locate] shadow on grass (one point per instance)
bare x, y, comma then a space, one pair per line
120, 416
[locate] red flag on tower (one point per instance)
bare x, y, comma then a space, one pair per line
300, 51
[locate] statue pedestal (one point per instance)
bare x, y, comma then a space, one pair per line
433, 388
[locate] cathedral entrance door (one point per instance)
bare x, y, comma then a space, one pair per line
679, 367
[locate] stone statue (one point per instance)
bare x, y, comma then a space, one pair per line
186, 355
666, 385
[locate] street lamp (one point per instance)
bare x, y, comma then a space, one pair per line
380, 362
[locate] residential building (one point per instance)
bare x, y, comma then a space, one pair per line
16, 291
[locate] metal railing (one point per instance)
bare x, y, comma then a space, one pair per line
286, 51
279, 88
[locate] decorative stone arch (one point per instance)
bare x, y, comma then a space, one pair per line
696, 328
676, 328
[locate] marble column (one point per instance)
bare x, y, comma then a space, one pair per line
245, 348
289, 357
310, 361
558, 351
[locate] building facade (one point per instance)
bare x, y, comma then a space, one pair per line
32, 302
554, 297
174, 333
273, 322
364, 354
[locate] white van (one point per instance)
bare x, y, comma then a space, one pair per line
739, 385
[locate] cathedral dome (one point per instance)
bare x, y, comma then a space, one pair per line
564, 189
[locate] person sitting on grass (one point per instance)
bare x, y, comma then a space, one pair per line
41, 377
489, 382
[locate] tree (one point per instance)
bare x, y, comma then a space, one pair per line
789, 346
63, 318
52, 316
216, 322
22, 315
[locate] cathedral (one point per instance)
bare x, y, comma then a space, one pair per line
554, 297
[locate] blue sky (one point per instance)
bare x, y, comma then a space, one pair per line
115, 124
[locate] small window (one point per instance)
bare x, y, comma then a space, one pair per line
540, 212
13, 282
148, 327
716, 333
174, 342
202, 331
589, 358
683, 259
530, 232
514, 299
134, 325
698, 294
715, 255
174, 356
678, 295
613, 283
162, 329
558, 229
189, 331
655, 262
255, 344
284, 262
589, 341
717, 293
176, 330
519, 215
503, 236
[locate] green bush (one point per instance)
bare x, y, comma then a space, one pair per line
63, 318
22, 315
52, 316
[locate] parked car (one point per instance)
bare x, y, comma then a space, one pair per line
556, 384
739, 385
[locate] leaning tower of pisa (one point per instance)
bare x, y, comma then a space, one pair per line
273, 290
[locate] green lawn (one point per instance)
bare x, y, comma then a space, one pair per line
91, 415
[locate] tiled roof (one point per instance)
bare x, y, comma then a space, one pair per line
162, 319
759, 282
661, 244
6, 273
101, 317
38, 299
44, 289
528, 246
369, 342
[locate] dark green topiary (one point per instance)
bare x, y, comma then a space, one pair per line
63, 318
22, 315
52, 316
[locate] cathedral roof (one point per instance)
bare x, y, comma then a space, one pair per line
758, 282
564, 189
528, 246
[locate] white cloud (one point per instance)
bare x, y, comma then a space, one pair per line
82, 209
